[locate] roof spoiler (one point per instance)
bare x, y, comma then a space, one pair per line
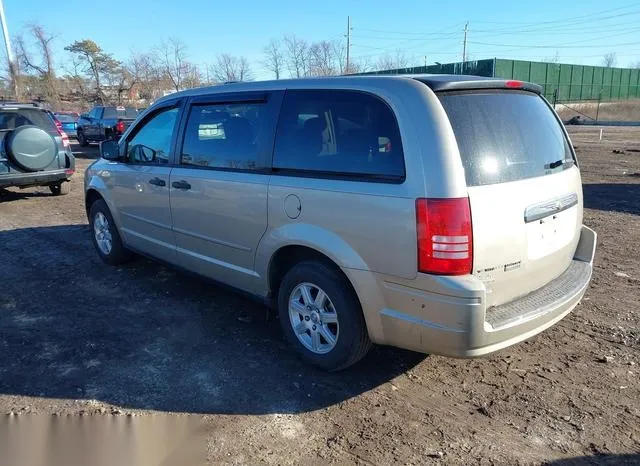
473, 84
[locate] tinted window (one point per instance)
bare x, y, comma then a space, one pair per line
14, 118
341, 132
152, 142
111, 113
223, 135
95, 113
506, 136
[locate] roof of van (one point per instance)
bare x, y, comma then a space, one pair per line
437, 82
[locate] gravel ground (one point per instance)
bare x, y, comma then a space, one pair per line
79, 337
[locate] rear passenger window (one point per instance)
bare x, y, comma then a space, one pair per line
341, 132
223, 135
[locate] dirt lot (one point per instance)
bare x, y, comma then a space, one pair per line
624, 110
77, 336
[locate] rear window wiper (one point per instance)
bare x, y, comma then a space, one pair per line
558, 163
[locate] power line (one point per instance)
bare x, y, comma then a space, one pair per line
551, 46
564, 20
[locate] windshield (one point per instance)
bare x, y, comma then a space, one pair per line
120, 112
506, 135
12, 118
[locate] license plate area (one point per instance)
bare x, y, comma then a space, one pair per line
547, 235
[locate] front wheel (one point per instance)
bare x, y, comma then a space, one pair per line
321, 316
105, 235
81, 139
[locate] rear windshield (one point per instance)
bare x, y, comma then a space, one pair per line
14, 118
66, 118
120, 112
506, 136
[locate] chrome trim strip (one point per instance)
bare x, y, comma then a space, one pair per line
546, 208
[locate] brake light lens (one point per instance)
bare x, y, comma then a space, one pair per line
65, 138
445, 237
120, 127
514, 84
58, 123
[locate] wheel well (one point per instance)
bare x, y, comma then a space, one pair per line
287, 257
91, 197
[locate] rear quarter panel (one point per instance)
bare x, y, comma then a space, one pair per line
366, 225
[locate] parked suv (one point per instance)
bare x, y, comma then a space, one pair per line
33, 150
103, 123
442, 214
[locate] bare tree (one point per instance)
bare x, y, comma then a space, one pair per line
147, 75
392, 62
44, 67
324, 59
297, 56
610, 60
274, 58
555, 59
12, 79
229, 68
173, 60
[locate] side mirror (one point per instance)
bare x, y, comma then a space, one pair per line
109, 150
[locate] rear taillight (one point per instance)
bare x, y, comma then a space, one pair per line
65, 138
445, 238
58, 123
120, 127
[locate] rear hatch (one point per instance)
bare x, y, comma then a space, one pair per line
524, 188
12, 118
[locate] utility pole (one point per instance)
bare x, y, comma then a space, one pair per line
7, 42
346, 70
464, 45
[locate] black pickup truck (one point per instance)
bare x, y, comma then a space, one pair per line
103, 123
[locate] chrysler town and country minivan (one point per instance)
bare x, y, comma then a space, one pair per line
442, 214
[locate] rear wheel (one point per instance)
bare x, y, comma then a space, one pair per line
60, 189
81, 139
105, 236
321, 316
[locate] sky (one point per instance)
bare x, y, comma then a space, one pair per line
426, 31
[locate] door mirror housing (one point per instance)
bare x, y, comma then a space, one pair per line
110, 150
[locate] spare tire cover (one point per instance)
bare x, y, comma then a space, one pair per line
31, 148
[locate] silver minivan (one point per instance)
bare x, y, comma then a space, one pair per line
442, 214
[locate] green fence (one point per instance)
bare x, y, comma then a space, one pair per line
572, 83
560, 82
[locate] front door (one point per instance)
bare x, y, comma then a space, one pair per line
140, 185
90, 126
219, 189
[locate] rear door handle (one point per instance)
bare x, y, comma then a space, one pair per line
181, 185
157, 182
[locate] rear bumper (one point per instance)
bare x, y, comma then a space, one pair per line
35, 178
447, 315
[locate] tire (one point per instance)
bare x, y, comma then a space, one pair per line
342, 306
117, 253
81, 139
60, 189
31, 148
